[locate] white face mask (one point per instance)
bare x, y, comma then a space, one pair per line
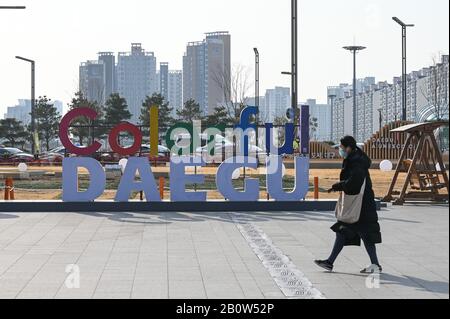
343, 153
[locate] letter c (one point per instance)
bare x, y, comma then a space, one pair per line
64, 127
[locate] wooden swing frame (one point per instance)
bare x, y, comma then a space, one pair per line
423, 168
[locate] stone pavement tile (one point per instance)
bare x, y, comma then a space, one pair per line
85, 291
111, 295
250, 289
186, 289
29, 263
12, 286
149, 293
339, 293
7, 260
114, 286
39, 290
143, 258
186, 274
225, 290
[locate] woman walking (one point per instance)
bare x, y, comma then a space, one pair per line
353, 175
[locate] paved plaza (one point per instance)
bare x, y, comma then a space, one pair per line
180, 255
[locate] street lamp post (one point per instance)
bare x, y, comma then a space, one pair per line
257, 97
332, 97
294, 58
12, 7
33, 101
294, 44
404, 65
256, 77
354, 50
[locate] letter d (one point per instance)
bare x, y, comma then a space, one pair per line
70, 179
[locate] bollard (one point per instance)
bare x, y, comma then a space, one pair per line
11, 189
161, 187
6, 189
316, 188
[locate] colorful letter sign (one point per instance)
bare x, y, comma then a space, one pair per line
138, 176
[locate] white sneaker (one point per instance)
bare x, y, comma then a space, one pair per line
372, 269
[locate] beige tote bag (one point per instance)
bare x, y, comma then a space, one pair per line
348, 208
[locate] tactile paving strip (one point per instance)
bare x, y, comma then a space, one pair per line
291, 281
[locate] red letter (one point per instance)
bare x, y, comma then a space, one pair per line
64, 127
125, 127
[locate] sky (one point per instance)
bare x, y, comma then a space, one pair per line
61, 34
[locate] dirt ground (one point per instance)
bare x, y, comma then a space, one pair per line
327, 177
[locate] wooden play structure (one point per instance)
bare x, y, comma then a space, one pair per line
386, 146
426, 174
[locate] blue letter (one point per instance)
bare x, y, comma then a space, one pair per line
128, 183
275, 179
179, 179
70, 179
288, 147
245, 124
224, 180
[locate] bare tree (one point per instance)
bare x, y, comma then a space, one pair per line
436, 91
436, 94
235, 87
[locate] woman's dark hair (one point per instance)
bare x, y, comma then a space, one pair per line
349, 141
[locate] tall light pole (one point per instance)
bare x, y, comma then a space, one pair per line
12, 7
331, 98
257, 97
294, 59
256, 77
354, 49
404, 65
33, 101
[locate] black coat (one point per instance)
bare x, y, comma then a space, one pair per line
354, 171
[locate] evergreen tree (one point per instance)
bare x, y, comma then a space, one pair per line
84, 128
47, 120
190, 112
165, 113
219, 117
13, 131
116, 110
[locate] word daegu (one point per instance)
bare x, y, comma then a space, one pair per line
179, 179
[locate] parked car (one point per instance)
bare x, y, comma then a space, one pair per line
11, 155
226, 149
163, 155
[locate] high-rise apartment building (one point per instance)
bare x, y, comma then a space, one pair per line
321, 115
277, 102
164, 80
207, 71
136, 78
21, 112
109, 63
175, 88
93, 81
380, 104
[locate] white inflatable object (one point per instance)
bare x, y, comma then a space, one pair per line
22, 167
386, 166
236, 174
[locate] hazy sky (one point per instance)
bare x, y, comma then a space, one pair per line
60, 34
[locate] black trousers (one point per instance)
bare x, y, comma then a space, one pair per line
339, 245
